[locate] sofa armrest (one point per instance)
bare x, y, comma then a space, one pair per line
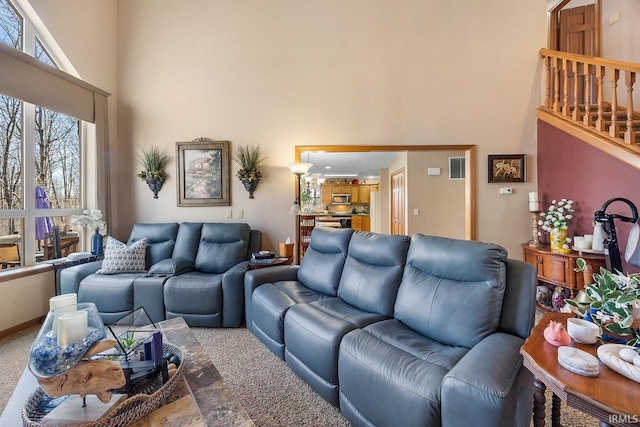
491, 384
71, 277
233, 295
255, 278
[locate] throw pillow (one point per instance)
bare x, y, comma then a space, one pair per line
120, 258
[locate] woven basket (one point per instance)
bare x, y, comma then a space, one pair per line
147, 396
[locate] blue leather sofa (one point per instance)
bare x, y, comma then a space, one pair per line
194, 270
420, 331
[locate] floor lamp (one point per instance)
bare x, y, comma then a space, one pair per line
298, 169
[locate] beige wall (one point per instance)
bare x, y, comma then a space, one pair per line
26, 298
286, 73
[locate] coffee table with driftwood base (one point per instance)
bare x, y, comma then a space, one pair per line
200, 399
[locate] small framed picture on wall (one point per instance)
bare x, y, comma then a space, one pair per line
507, 168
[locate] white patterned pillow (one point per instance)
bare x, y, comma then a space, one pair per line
120, 258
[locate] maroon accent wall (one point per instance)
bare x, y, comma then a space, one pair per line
571, 169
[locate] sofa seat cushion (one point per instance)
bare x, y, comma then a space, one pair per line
194, 296
112, 294
389, 359
269, 304
312, 335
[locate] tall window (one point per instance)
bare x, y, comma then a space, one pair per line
40, 161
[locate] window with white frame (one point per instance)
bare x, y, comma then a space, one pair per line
40, 161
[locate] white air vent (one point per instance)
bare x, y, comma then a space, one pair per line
456, 167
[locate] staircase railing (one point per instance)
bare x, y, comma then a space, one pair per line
576, 90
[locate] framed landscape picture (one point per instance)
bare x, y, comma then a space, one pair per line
203, 173
508, 168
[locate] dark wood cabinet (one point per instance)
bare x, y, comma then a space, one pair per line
556, 269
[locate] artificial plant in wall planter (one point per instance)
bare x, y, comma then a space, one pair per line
249, 159
153, 164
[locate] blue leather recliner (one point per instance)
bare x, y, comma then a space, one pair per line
396, 331
195, 271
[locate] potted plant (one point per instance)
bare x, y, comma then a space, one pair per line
249, 159
610, 302
153, 164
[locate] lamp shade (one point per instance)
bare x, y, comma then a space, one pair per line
300, 168
295, 209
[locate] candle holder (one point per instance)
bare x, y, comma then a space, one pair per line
534, 242
48, 356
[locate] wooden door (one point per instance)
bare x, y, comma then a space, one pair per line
577, 34
397, 202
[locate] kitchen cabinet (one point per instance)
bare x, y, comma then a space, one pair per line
361, 222
327, 191
555, 269
360, 194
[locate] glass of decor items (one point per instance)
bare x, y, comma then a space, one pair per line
66, 335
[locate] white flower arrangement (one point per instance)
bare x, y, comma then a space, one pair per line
90, 218
556, 219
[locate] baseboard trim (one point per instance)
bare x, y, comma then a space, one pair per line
20, 327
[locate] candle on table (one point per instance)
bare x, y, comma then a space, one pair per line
64, 300
534, 204
61, 304
72, 327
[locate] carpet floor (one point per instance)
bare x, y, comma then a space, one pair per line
270, 392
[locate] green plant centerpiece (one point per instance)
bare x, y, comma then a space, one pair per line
249, 159
611, 302
153, 172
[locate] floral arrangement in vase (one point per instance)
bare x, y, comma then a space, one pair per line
90, 218
611, 302
555, 221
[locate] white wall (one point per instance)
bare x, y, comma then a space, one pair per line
26, 298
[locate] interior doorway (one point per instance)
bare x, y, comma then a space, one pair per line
397, 202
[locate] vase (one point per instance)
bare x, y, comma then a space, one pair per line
96, 243
557, 240
250, 186
155, 185
65, 336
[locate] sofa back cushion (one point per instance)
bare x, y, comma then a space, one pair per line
323, 261
222, 246
452, 290
188, 241
161, 238
373, 271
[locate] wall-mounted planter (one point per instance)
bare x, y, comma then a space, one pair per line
155, 185
250, 186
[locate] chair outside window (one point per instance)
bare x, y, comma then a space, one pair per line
9, 255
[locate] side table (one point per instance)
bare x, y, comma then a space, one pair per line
62, 263
609, 397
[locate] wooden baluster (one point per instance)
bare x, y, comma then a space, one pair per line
630, 134
614, 129
587, 119
565, 88
577, 116
556, 86
600, 122
547, 97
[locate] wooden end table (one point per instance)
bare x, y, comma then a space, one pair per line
610, 397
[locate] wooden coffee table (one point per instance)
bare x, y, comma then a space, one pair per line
201, 399
609, 397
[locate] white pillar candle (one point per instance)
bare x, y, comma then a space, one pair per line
534, 206
61, 304
533, 196
72, 327
64, 300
